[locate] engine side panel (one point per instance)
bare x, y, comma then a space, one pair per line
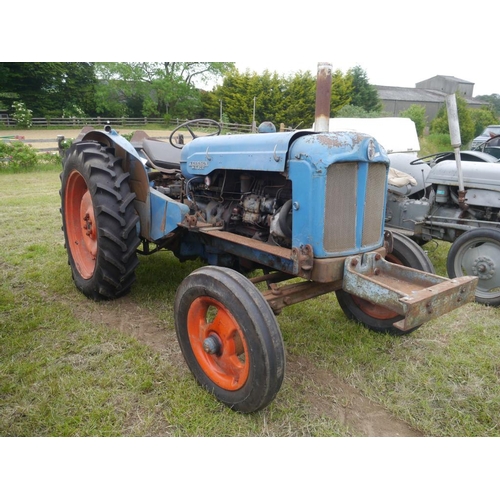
255, 152
478, 175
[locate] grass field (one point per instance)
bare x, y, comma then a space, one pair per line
69, 370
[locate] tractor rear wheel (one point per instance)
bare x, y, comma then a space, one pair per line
99, 221
477, 253
230, 338
377, 318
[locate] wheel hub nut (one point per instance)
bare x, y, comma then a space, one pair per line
483, 268
212, 345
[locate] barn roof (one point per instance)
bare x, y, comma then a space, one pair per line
387, 93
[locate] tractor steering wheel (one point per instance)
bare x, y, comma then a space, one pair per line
437, 157
193, 135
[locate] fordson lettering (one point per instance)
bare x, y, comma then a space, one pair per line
198, 165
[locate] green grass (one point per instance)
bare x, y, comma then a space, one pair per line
64, 373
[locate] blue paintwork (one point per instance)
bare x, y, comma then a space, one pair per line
164, 212
303, 156
310, 156
257, 152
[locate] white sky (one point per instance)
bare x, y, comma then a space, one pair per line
396, 43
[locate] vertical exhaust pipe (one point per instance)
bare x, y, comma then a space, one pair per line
323, 97
456, 142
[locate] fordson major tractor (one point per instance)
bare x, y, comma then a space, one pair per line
302, 211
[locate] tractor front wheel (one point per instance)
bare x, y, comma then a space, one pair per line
377, 318
99, 221
230, 338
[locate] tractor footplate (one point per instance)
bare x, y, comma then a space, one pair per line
416, 295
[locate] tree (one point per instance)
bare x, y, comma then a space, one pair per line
47, 88
440, 123
416, 113
154, 88
342, 92
288, 100
494, 102
77, 90
237, 94
350, 111
299, 100
482, 117
364, 95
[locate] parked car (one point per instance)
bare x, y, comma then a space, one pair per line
488, 132
491, 146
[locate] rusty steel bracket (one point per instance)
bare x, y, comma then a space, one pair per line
388, 242
303, 258
416, 295
278, 297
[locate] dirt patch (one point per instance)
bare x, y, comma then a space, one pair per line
44, 138
328, 396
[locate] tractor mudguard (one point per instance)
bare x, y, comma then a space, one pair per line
159, 214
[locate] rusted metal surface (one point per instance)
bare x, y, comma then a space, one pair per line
279, 297
297, 261
416, 295
323, 95
273, 277
305, 259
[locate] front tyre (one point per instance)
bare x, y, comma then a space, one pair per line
477, 253
230, 338
99, 221
405, 252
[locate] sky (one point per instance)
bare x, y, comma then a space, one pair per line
396, 43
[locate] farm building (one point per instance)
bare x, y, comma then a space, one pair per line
430, 93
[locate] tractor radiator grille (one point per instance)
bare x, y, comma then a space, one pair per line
341, 202
340, 207
375, 200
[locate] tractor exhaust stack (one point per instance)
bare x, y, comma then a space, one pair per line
323, 97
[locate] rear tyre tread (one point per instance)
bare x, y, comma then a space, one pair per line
115, 219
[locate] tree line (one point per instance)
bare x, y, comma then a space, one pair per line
176, 90
172, 90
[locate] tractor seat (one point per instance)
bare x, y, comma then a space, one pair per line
161, 153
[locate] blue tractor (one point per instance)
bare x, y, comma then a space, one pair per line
306, 209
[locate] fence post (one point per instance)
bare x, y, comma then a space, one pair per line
60, 139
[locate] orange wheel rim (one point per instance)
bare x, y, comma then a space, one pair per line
80, 224
210, 324
394, 260
373, 310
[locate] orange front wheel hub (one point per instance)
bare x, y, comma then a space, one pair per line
218, 343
